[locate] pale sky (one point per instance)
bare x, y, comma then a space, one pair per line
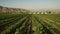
31, 4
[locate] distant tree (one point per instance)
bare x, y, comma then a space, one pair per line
49, 12
14, 10
19, 10
1, 9
7, 10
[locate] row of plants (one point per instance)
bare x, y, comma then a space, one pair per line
12, 28
46, 29
50, 20
11, 24
51, 25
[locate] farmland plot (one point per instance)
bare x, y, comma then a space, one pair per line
29, 23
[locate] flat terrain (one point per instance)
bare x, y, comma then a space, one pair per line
29, 23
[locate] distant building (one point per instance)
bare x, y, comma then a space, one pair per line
38, 13
34, 12
42, 13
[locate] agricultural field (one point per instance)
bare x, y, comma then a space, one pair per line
29, 23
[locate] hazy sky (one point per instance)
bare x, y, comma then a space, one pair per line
31, 4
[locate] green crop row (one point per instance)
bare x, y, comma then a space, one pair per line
29, 23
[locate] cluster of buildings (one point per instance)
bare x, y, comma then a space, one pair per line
11, 10
19, 10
